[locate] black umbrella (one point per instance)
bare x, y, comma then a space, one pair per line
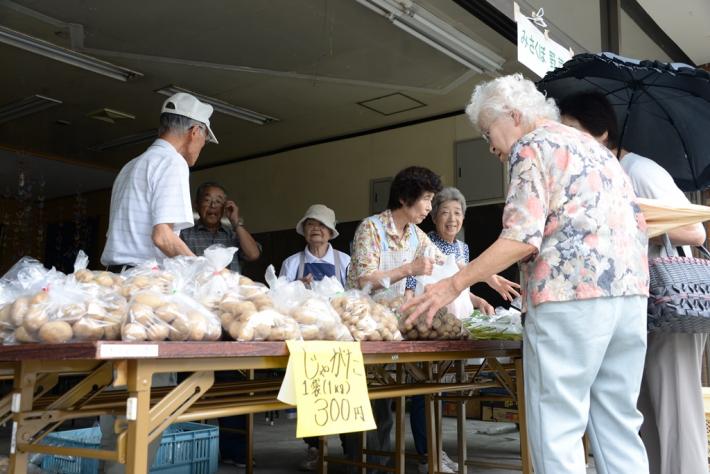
663, 109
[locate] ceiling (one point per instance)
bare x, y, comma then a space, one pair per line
308, 63
686, 22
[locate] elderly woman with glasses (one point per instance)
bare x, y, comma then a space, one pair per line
448, 210
571, 221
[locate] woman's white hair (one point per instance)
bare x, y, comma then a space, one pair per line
505, 94
444, 196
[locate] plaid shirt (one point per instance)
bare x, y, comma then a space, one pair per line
199, 237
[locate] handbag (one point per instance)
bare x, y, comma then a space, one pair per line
679, 292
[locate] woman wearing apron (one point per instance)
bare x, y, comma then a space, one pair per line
389, 250
318, 260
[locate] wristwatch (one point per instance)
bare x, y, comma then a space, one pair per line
240, 222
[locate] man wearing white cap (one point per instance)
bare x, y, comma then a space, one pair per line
150, 201
150, 204
319, 259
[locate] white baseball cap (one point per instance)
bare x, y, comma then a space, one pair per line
188, 106
322, 214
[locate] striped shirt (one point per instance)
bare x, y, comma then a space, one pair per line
199, 237
152, 189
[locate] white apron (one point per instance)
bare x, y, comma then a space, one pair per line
391, 259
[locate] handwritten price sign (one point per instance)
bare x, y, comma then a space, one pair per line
326, 381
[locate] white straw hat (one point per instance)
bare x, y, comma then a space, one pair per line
322, 214
188, 106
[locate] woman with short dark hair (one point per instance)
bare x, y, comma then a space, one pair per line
389, 249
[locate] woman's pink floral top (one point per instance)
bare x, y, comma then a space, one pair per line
570, 198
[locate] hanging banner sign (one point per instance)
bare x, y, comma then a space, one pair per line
326, 381
535, 49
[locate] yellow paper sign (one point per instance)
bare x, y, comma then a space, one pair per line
326, 380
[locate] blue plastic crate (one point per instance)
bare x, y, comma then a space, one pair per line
186, 448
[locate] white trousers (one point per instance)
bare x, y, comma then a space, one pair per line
671, 401
583, 363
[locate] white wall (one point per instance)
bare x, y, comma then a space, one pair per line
274, 191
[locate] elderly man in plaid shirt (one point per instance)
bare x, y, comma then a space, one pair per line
212, 204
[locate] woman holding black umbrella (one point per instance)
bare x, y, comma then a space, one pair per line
671, 397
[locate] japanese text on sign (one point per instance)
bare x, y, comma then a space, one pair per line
326, 381
535, 50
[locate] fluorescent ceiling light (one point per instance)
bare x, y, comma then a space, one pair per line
128, 140
67, 56
26, 106
437, 33
223, 107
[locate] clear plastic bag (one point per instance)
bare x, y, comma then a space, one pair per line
162, 304
213, 280
505, 324
265, 325
444, 326
316, 318
462, 306
365, 319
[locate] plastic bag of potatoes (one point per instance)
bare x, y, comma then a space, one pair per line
154, 316
255, 319
213, 280
366, 320
63, 313
103, 279
316, 318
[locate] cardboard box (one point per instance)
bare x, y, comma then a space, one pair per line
500, 414
473, 409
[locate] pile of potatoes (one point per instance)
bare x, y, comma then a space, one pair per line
153, 316
36, 318
445, 326
248, 314
212, 287
106, 280
365, 319
318, 321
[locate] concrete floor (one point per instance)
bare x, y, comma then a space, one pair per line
277, 451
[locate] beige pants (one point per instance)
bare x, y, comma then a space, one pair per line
671, 401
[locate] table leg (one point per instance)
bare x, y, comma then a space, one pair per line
399, 459
24, 386
461, 420
432, 454
138, 417
250, 436
520, 392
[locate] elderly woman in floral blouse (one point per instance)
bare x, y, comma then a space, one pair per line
570, 219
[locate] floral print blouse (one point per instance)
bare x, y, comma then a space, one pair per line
367, 247
571, 200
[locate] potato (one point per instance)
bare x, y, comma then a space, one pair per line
112, 332
84, 276
198, 325
167, 312
104, 279
21, 335
72, 312
262, 331
35, 318
5, 314
19, 309
133, 332
149, 298
238, 307
245, 280
141, 281
56, 332
303, 316
310, 333
141, 313
214, 331
226, 319
179, 329
158, 331
88, 329
246, 333
234, 328
40, 297
277, 334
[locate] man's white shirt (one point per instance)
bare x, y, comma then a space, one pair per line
152, 189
